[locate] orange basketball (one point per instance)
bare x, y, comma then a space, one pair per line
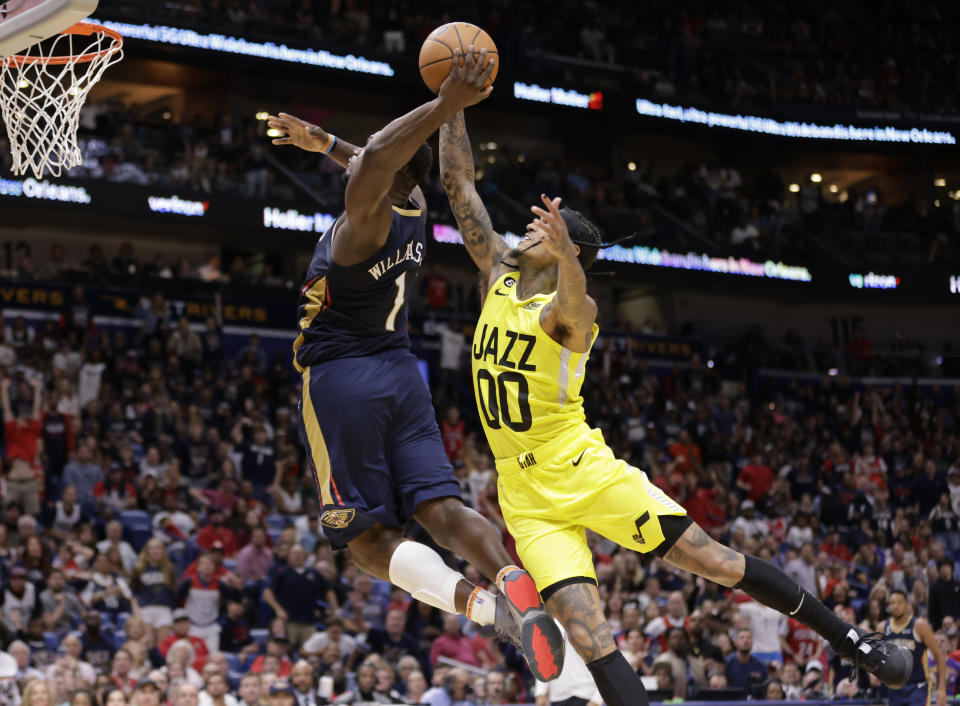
436, 54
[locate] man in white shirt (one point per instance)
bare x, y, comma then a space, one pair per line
750, 522
115, 538
317, 642
768, 626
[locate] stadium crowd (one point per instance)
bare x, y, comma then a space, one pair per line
736, 56
160, 540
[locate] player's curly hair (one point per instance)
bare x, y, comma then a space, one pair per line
584, 234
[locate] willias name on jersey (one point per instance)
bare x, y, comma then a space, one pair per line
360, 310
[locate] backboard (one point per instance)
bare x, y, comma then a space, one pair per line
27, 22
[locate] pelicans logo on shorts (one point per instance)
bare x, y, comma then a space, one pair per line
337, 519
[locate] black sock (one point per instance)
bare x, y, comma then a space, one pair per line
617, 681
765, 583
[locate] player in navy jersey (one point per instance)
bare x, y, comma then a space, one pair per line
366, 415
915, 635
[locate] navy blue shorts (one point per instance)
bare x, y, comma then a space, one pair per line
916, 694
372, 441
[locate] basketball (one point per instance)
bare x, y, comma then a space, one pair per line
436, 54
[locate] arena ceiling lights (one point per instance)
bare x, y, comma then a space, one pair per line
769, 126
233, 45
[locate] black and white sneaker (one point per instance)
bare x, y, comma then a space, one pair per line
888, 662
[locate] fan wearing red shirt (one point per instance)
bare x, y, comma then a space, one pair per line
453, 643
23, 433
834, 548
801, 644
685, 453
452, 430
755, 478
181, 630
277, 647
216, 531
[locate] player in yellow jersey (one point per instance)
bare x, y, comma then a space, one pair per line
556, 476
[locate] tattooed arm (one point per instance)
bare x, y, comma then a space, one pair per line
456, 172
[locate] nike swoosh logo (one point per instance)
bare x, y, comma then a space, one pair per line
499, 293
577, 462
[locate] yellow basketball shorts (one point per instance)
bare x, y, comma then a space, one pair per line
550, 495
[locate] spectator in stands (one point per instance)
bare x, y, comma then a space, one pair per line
366, 688
755, 479
217, 531
335, 635
453, 644
256, 559
153, 581
59, 603
115, 539
201, 596
769, 626
277, 653
944, 595
23, 432
20, 602
107, 591
113, 495
303, 681
185, 694
181, 631
743, 670
294, 593
250, 691
216, 690
83, 474
393, 642
66, 514
683, 669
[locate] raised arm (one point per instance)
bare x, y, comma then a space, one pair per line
456, 173
372, 175
312, 138
572, 313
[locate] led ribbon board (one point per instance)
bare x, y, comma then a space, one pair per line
234, 45
769, 126
655, 257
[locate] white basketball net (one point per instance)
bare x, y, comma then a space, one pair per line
40, 100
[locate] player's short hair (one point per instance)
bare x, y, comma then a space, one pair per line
584, 234
420, 164
901, 592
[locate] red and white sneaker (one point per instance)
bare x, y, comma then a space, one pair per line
540, 638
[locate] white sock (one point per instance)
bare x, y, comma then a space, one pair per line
482, 607
420, 571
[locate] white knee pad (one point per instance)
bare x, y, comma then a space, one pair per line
420, 571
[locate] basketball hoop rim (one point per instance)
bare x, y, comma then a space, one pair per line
85, 29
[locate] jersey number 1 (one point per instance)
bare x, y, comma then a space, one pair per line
401, 283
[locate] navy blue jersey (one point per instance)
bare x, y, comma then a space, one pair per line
361, 310
907, 638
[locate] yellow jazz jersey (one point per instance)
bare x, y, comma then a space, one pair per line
555, 475
527, 385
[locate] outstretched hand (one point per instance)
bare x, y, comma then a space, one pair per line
300, 133
469, 75
552, 228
